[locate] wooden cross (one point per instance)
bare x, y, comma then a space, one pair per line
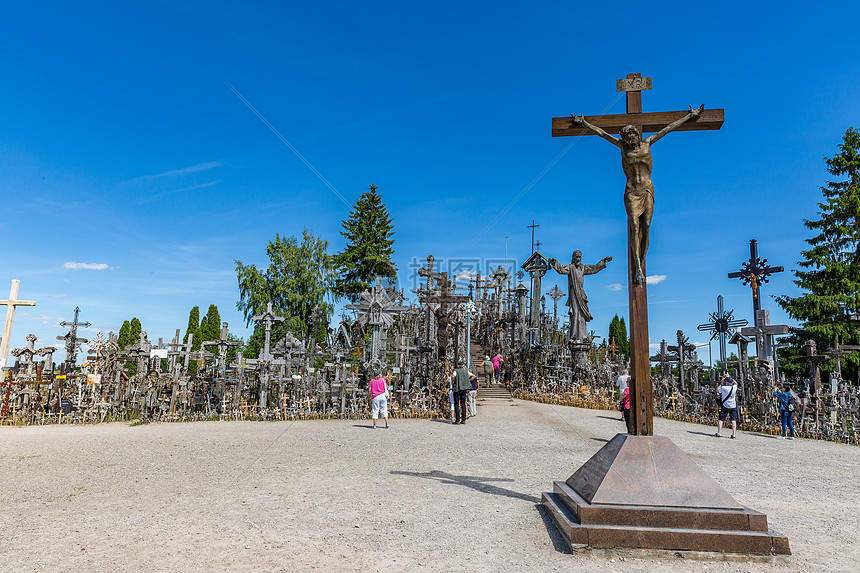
536, 265
754, 272
840, 350
11, 303
641, 390
556, 293
665, 360
682, 348
268, 318
814, 359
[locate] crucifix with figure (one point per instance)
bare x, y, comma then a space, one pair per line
636, 162
756, 272
640, 490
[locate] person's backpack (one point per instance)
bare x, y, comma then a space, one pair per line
792, 405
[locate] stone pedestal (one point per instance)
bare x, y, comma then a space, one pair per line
644, 492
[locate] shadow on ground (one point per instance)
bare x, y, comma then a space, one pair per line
557, 540
476, 483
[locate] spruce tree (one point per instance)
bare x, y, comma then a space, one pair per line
829, 273
369, 247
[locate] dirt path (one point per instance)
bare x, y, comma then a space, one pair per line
338, 496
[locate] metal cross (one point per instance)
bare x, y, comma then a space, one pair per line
533, 227
755, 272
72, 340
722, 325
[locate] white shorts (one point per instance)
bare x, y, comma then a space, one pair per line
379, 404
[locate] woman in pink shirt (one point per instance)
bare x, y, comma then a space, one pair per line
377, 395
624, 406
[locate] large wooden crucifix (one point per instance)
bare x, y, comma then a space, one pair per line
639, 202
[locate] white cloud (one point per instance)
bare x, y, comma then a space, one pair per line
614, 286
192, 169
655, 279
465, 275
87, 266
43, 318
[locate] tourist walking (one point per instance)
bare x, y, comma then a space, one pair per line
623, 381
727, 394
486, 368
624, 406
787, 405
473, 392
497, 364
377, 395
460, 386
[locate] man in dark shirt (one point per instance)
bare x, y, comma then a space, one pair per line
460, 385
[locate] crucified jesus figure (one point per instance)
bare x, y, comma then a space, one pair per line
639, 191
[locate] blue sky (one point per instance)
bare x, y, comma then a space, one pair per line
133, 176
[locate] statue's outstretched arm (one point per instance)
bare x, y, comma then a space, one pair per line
558, 267
580, 120
675, 124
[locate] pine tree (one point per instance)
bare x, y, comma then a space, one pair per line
213, 327
369, 247
832, 279
618, 331
124, 339
134, 330
193, 323
624, 345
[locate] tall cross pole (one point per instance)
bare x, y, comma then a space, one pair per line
636, 162
755, 272
533, 227
72, 339
11, 303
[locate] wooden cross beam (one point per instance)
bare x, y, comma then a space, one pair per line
11, 303
641, 391
711, 119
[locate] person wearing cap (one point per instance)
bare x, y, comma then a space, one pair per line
460, 386
377, 395
727, 395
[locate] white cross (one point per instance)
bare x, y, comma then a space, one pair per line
11, 303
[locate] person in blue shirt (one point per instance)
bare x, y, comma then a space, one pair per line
785, 416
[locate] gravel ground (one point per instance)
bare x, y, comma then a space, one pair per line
422, 496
